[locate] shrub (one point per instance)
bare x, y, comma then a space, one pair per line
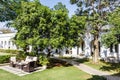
43, 60
96, 77
4, 58
21, 55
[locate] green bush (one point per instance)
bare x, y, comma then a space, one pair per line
4, 59
43, 60
96, 77
21, 55
10, 51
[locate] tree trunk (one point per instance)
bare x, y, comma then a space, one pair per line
118, 59
49, 53
96, 50
77, 50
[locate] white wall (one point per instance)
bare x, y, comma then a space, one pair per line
119, 49
6, 42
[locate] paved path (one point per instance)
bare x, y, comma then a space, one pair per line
19, 72
91, 71
16, 71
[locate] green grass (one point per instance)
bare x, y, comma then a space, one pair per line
113, 68
56, 73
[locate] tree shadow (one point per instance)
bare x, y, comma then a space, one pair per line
57, 63
111, 67
82, 60
96, 77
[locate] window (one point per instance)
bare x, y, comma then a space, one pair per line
5, 43
116, 48
111, 48
8, 42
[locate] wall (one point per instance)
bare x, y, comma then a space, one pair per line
6, 41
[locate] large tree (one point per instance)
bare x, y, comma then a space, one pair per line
32, 25
96, 13
66, 31
77, 29
37, 25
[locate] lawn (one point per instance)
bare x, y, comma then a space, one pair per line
56, 73
113, 68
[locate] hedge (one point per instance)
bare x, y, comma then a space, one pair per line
4, 58
10, 51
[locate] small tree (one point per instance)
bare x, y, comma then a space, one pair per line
113, 36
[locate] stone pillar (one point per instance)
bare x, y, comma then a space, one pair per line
119, 50
74, 52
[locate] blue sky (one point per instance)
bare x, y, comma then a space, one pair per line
51, 3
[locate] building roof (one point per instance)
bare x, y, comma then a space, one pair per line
7, 35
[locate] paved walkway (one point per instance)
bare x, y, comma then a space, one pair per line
91, 71
18, 72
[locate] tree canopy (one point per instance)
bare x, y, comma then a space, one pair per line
96, 12
39, 26
9, 9
113, 36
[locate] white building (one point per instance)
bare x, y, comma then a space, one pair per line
6, 41
86, 47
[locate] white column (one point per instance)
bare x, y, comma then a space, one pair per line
119, 49
74, 52
114, 52
80, 50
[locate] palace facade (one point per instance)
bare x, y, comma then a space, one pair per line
86, 47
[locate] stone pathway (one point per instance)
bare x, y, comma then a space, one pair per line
19, 72
91, 71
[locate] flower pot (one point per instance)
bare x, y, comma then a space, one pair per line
44, 66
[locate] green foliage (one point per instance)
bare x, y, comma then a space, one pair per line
59, 28
113, 36
96, 77
60, 6
108, 39
43, 60
4, 59
96, 12
37, 25
21, 56
77, 28
9, 9
32, 25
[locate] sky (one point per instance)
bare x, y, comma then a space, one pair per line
50, 4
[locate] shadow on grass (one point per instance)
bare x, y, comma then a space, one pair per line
57, 63
82, 60
112, 66
96, 77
